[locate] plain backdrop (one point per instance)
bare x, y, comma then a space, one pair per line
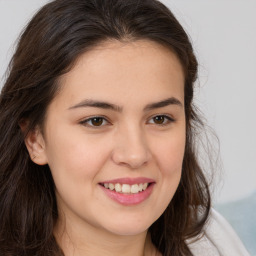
223, 33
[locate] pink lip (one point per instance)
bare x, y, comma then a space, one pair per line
129, 199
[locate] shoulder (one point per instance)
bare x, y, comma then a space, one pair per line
218, 239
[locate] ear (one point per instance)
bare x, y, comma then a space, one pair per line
35, 144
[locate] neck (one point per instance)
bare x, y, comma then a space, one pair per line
78, 240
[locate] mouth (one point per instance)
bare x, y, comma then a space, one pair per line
128, 191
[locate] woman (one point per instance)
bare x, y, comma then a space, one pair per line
97, 132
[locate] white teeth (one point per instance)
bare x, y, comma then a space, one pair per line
118, 187
126, 188
111, 186
134, 189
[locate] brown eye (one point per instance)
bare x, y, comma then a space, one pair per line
159, 119
97, 121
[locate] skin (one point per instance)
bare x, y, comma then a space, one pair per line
128, 143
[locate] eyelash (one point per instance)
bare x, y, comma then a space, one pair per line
167, 120
104, 121
91, 119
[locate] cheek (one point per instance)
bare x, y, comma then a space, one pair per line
75, 163
170, 163
75, 158
169, 154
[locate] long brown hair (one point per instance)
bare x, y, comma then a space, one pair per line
53, 40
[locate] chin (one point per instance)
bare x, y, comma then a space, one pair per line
129, 227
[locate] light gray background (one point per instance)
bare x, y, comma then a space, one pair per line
224, 36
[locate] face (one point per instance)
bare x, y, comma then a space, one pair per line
114, 136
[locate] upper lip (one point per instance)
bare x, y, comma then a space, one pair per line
129, 181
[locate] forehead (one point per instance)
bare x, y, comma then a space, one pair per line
131, 69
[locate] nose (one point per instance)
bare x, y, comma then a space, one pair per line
131, 149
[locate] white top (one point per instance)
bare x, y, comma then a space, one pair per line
219, 239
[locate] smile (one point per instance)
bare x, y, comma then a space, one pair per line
128, 191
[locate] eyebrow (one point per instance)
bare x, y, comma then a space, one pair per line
106, 105
163, 103
97, 104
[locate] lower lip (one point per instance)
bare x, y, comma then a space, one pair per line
129, 199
